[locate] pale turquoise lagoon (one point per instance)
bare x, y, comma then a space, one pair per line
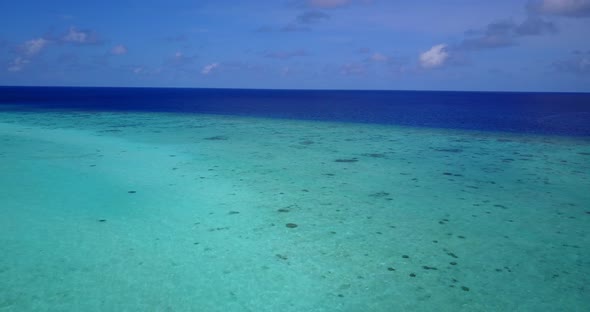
171, 212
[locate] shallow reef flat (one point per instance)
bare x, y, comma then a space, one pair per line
172, 212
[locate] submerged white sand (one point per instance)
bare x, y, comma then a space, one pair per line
388, 218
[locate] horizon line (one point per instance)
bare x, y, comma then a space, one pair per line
291, 89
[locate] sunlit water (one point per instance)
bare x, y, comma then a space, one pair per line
172, 212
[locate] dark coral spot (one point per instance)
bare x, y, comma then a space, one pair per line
217, 138
379, 194
346, 160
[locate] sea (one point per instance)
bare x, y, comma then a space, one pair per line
170, 199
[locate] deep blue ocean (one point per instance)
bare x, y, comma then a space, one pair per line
542, 113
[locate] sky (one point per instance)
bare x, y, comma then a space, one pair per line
502, 45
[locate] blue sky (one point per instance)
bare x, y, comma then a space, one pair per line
502, 45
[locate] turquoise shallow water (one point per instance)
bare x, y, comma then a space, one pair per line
166, 212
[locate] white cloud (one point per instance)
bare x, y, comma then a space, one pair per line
26, 51
34, 46
435, 57
378, 57
17, 64
181, 60
571, 8
119, 50
80, 37
209, 68
74, 35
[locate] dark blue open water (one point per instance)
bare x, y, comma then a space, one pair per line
542, 113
